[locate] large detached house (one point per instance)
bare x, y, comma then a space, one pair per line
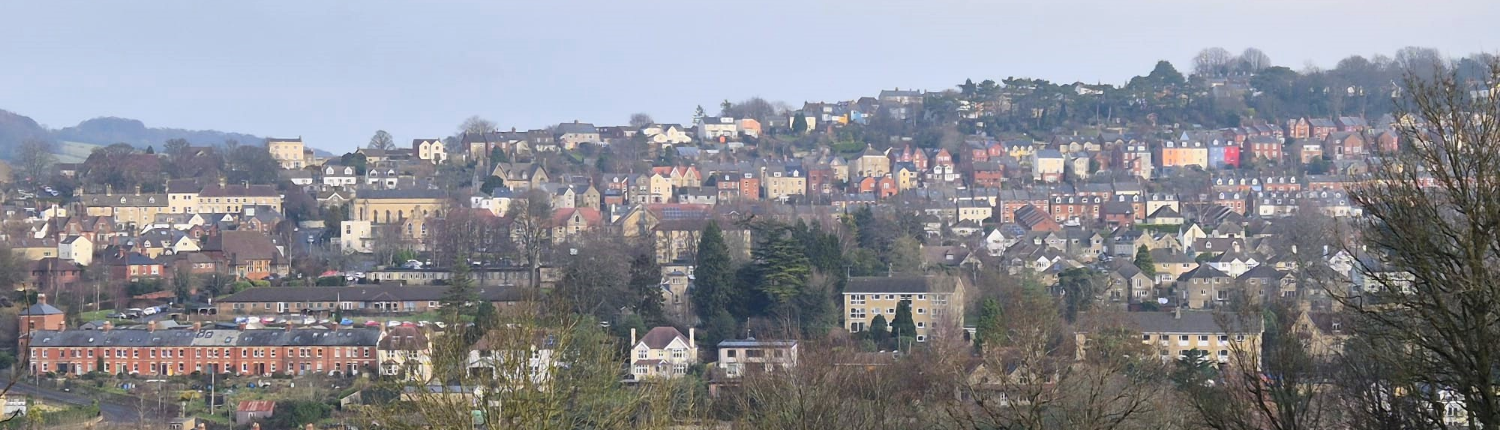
663, 353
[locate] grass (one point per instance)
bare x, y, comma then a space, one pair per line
74, 152
103, 314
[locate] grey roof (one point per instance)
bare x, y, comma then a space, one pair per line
576, 128
1203, 271
256, 337
41, 309
1189, 322
365, 293
752, 343
898, 284
403, 194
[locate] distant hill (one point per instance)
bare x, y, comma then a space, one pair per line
15, 128
110, 130
73, 143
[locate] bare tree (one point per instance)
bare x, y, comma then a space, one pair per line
382, 141
640, 119
476, 125
1211, 61
1254, 60
529, 370
476, 233
1432, 290
530, 218
1241, 398
35, 158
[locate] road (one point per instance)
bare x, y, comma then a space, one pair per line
114, 413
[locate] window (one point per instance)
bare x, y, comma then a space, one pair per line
921, 311
1223, 338
677, 353
641, 355
1183, 338
1203, 338
640, 370
856, 299
1145, 337
730, 353
1239, 338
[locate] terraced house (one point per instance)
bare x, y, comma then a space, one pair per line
344, 352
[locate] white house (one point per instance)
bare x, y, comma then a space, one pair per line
662, 353
335, 175
714, 127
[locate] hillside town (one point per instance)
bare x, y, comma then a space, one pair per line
269, 279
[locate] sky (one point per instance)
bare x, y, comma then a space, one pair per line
333, 72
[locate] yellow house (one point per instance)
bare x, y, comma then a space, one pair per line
936, 302
906, 177
288, 152
408, 208
974, 210
132, 209
222, 198
430, 150
870, 163
782, 182
660, 188
1173, 334
34, 249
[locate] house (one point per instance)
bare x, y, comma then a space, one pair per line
666, 134
782, 182
1171, 264
247, 254
569, 223
1173, 334
1047, 165
1204, 286
41, 316
571, 134
248, 352
1320, 128
1264, 284
403, 354
431, 150
1298, 128
870, 163
78, 249
336, 175
1126, 283
662, 353
287, 152
1344, 145
737, 357
717, 129
1033, 219
254, 410
1263, 148
517, 357
935, 301
364, 299
1183, 154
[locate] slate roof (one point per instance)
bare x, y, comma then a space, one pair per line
403, 194
238, 191
576, 128
365, 294
41, 309
1189, 322
896, 284
660, 337
158, 338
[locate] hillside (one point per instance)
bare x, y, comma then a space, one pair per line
108, 130
14, 128
74, 143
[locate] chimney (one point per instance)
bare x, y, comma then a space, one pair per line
197, 327
223, 182
137, 189
692, 339
241, 326
109, 189
61, 326
151, 326
288, 326
41, 299
1177, 312
255, 426
632, 338
107, 326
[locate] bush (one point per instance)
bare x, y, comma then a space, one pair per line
296, 413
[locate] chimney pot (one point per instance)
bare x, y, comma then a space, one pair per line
41, 299
151, 326
632, 338
108, 326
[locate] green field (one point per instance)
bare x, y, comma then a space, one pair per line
74, 152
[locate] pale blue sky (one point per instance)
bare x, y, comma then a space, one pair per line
334, 72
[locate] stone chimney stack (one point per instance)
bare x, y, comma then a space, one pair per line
107, 326
151, 326
197, 327
692, 339
1177, 312
41, 299
632, 338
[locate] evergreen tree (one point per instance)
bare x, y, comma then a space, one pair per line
460, 290
799, 123
988, 330
698, 114
880, 331
1079, 291
902, 327
1143, 261
725, 107
783, 266
645, 281
714, 279
151, 150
